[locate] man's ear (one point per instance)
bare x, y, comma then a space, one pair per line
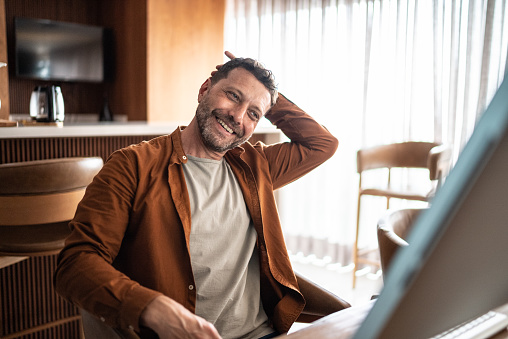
204, 89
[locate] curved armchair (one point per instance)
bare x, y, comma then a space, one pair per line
392, 230
37, 201
319, 301
434, 157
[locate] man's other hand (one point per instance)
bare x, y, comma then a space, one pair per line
169, 319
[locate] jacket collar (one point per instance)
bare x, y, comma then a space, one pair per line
177, 155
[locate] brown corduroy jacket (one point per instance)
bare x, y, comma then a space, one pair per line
130, 235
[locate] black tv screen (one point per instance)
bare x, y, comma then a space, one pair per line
60, 51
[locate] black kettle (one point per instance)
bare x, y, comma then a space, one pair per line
47, 104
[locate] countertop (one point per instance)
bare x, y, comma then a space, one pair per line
106, 129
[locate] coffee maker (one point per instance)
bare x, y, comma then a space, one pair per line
47, 104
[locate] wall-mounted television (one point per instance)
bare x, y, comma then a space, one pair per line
59, 51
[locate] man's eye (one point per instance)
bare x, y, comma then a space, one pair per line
233, 96
254, 115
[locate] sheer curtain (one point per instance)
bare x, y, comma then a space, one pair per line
372, 72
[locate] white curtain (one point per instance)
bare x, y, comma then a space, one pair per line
372, 72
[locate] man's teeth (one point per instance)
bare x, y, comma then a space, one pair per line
226, 127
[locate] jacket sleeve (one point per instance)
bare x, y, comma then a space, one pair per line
310, 144
85, 275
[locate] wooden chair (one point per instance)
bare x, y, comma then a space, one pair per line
439, 164
37, 201
411, 155
319, 301
392, 230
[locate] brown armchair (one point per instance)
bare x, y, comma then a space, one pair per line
434, 157
319, 301
392, 230
37, 201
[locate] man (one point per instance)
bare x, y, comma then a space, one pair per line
180, 235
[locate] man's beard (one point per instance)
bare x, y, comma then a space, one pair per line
206, 118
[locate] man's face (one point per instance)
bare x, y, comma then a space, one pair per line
229, 111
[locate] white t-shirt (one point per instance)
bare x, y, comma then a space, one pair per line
224, 257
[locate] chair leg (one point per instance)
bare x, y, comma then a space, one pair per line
355, 246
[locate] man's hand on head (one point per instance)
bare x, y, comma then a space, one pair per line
229, 55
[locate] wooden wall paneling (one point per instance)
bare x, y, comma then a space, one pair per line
4, 71
185, 43
128, 91
30, 307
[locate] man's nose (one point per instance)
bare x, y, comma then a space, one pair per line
238, 113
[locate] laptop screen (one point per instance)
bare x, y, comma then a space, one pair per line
456, 266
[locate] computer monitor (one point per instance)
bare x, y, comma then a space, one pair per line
456, 266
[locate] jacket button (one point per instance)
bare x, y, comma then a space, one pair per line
184, 157
191, 287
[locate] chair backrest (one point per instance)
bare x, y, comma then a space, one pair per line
439, 162
38, 199
411, 154
44, 191
392, 230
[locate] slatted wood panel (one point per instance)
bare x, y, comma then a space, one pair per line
30, 307
28, 149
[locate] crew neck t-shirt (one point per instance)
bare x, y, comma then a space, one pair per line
223, 251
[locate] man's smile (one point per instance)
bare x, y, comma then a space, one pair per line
224, 125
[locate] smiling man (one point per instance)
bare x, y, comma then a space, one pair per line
179, 236
231, 103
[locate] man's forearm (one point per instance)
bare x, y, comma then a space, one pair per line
311, 143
